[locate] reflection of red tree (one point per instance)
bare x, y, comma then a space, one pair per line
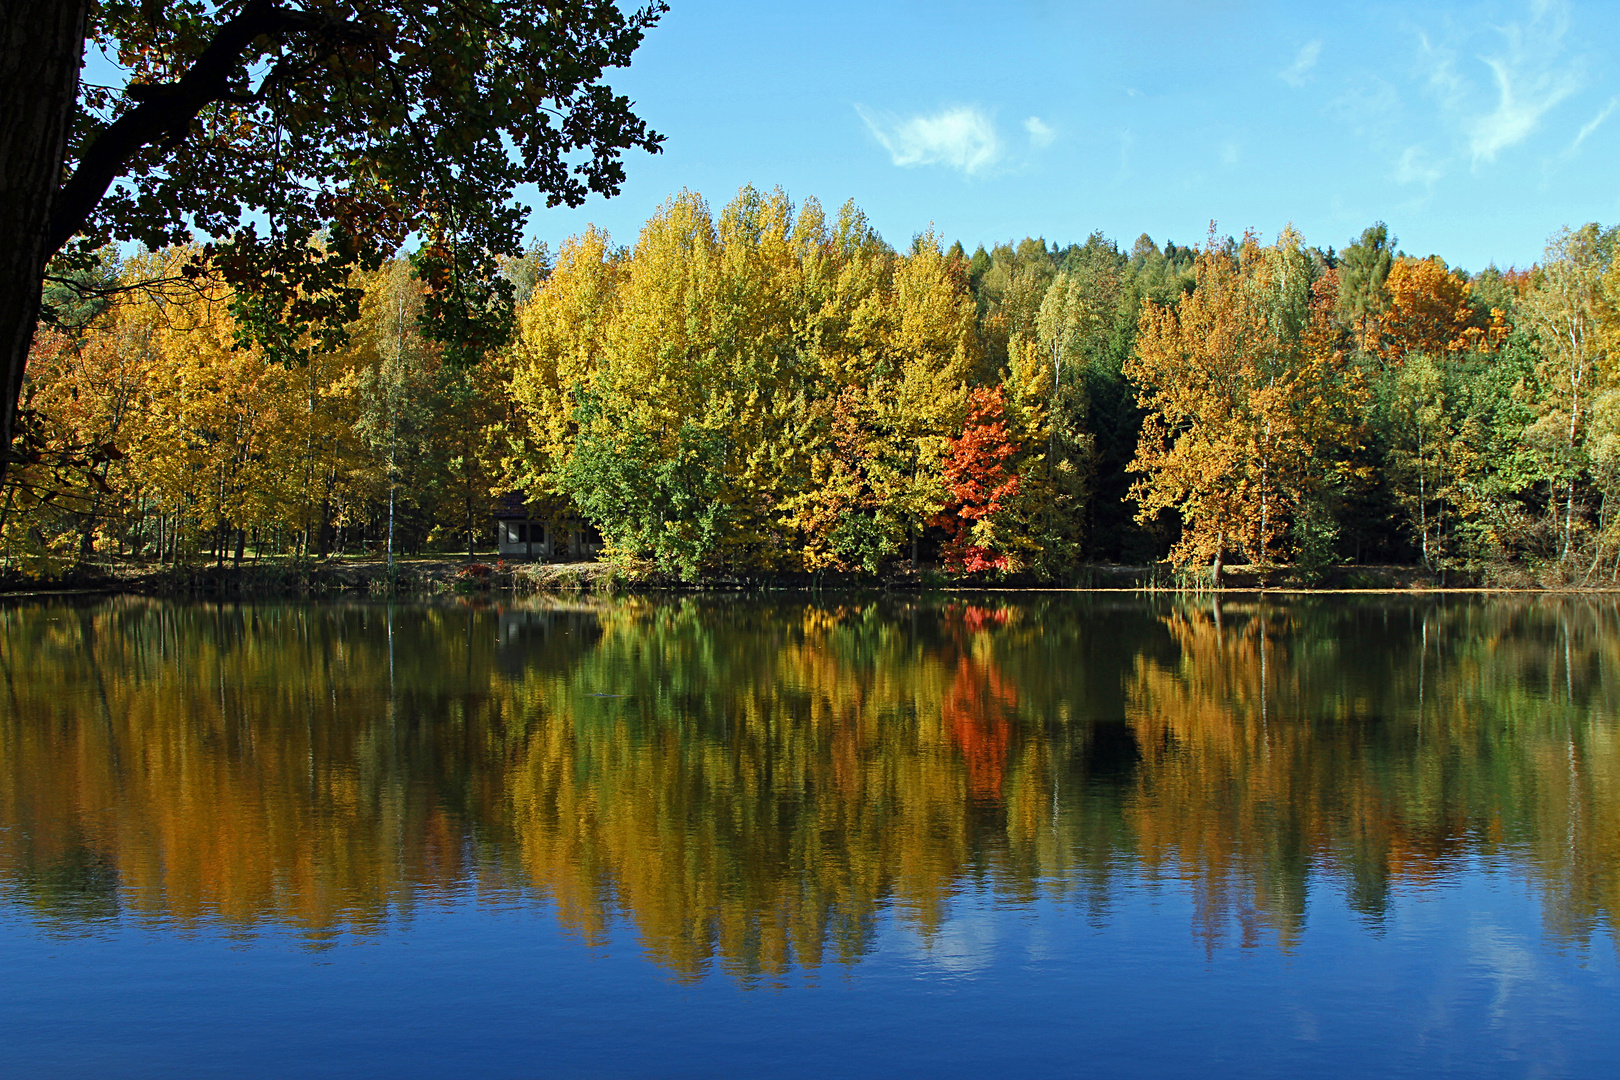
443, 852
1419, 854
975, 618
976, 717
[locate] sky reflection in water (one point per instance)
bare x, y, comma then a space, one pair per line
860, 836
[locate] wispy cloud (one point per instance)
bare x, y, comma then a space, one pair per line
1367, 106
1444, 81
1298, 73
1040, 133
1518, 112
1532, 75
961, 137
1474, 95
1416, 167
1593, 124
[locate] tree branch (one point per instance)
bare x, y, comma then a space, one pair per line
164, 112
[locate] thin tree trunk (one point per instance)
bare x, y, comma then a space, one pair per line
1051, 418
1569, 515
1574, 428
390, 531
4, 514
41, 47
1423, 501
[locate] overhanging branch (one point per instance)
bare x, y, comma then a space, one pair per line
164, 112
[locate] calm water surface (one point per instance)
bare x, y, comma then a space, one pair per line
1062, 836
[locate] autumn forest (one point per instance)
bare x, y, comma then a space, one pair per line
775, 390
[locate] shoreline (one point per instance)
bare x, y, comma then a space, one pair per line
428, 577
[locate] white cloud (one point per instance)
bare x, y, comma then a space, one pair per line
1592, 124
1229, 153
1532, 76
1298, 73
962, 138
1521, 103
1040, 134
1415, 167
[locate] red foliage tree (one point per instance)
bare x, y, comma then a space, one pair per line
980, 483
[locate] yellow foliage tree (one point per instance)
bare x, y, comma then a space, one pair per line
1247, 400
757, 390
1429, 312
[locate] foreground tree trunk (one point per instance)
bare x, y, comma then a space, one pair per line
41, 48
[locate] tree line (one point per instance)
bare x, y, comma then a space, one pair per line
773, 389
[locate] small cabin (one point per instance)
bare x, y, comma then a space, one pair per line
521, 533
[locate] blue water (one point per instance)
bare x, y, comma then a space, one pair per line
1466, 968
1458, 980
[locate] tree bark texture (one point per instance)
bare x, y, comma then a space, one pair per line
41, 48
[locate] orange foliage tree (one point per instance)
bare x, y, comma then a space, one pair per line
981, 486
1248, 401
1429, 312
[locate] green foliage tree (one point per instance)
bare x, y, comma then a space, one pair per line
1364, 268
394, 386
765, 390
1566, 310
1432, 454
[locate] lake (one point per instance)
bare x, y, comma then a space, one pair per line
1035, 834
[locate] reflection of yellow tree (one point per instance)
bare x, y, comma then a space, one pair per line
203, 816
841, 782
751, 786
762, 790
1265, 764
1214, 780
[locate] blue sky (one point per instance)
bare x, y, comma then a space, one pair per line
1473, 130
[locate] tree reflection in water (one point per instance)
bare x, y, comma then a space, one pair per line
754, 785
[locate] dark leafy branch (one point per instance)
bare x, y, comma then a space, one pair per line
347, 127
165, 112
